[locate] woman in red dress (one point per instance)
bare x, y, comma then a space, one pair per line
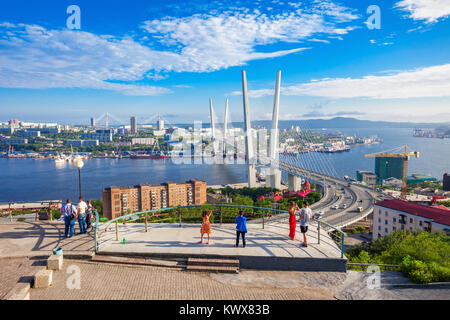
292, 219
206, 225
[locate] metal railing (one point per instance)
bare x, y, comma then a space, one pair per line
33, 206
175, 215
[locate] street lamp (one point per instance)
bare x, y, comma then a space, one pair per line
79, 164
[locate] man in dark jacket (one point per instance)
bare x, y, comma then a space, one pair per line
241, 228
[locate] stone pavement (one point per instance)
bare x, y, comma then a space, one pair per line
109, 281
21, 239
14, 270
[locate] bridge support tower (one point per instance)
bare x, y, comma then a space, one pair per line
294, 182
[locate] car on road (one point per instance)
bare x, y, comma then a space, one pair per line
344, 206
335, 207
319, 214
359, 209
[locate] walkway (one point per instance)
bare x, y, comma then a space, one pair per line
102, 281
21, 239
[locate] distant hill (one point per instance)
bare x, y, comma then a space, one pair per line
343, 122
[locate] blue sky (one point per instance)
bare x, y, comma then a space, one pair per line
144, 57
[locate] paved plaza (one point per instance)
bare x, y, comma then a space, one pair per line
20, 239
111, 282
272, 241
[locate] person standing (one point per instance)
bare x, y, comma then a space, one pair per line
241, 228
69, 212
89, 212
82, 206
293, 209
305, 217
206, 225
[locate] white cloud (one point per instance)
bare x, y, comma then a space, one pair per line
428, 10
34, 57
209, 42
425, 82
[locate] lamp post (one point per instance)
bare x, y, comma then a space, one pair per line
79, 164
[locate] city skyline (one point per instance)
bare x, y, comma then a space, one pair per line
166, 58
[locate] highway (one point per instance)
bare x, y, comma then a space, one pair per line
350, 195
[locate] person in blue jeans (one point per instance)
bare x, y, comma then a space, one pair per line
68, 211
82, 206
241, 228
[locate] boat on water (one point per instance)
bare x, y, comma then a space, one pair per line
153, 155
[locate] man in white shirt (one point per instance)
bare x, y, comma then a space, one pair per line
305, 216
81, 211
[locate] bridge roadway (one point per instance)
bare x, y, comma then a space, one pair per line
350, 195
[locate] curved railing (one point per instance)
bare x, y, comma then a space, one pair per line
262, 214
30, 205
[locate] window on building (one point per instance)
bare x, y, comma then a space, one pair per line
420, 223
379, 220
385, 222
394, 228
379, 228
411, 220
394, 219
386, 230
403, 227
386, 214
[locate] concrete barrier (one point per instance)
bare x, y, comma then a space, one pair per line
21, 291
55, 262
43, 278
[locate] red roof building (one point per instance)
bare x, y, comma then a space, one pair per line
389, 215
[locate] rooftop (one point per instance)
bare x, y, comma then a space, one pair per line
435, 214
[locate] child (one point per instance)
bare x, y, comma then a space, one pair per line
241, 228
206, 225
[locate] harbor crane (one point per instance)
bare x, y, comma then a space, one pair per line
405, 156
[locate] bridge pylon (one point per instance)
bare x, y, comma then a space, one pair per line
273, 178
249, 150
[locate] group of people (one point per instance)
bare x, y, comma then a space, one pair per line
305, 215
241, 227
81, 212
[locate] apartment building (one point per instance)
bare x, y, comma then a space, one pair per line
390, 215
118, 201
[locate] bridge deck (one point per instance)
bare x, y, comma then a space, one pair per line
268, 248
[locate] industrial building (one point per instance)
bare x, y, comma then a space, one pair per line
15, 141
82, 143
118, 201
104, 135
149, 141
387, 167
446, 182
369, 178
34, 134
419, 178
391, 215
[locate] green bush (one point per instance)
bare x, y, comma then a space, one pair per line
423, 257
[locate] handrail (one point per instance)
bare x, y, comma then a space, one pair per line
124, 217
95, 231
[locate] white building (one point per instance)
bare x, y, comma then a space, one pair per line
142, 141
391, 215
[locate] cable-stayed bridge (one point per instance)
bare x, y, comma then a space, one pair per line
343, 203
